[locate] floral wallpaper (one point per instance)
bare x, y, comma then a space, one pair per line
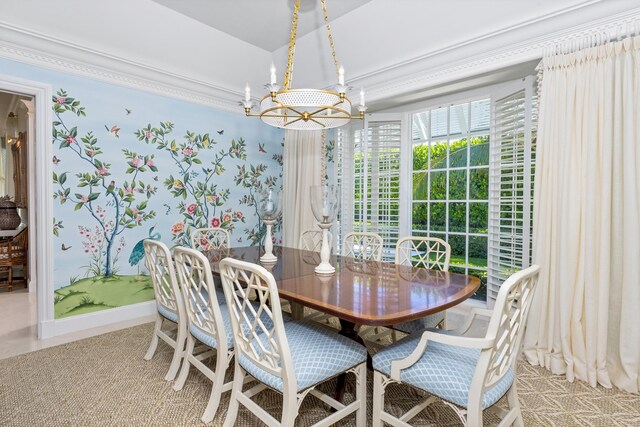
130, 165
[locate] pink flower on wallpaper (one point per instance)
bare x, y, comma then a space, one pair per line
192, 208
60, 100
204, 243
102, 171
226, 218
84, 199
128, 190
90, 153
147, 134
135, 162
187, 151
150, 163
134, 211
212, 198
177, 227
139, 219
178, 184
239, 215
70, 139
215, 222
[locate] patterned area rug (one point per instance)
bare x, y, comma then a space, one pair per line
104, 381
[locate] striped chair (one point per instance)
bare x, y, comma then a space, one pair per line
290, 358
468, 374
169, 304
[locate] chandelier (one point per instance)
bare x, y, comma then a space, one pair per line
304, 109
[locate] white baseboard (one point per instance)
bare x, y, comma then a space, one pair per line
52, 328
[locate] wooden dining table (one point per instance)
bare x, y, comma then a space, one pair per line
360, 292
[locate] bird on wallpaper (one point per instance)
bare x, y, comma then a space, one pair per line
114, 130
261, 148
155, 178
56, 160
65, 248
128, 111
137, 253
220, 132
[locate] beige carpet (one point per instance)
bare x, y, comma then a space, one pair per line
104, 381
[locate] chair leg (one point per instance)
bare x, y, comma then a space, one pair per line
186, 364
234, 404
154, 339
222, 362
289, 408
514, 405
10, 279
378, 398
361, 395
178, 352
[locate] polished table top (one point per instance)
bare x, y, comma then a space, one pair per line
362, 292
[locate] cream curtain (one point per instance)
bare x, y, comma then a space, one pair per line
585, 321
302, 169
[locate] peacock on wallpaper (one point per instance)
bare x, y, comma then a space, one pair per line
130, 165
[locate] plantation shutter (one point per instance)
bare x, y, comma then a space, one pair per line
368, 172
510, 186
383, 147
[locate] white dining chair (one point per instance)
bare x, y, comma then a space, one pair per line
208, 323
424, 252
206, 239
363, 246
311, 240
169, 304
290, 358
468, 374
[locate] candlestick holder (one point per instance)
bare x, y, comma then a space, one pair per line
324, 205
268, 210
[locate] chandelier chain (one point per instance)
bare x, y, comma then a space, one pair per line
333, 49
288, 75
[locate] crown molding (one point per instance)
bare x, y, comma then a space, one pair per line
393, 81
37, 49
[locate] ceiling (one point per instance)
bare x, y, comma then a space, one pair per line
262, 23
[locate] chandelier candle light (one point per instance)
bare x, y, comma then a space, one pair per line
268, 210
324, 204
304, 109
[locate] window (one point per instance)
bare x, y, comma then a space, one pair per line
450, 182
370, 165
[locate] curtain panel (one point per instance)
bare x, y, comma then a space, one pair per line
302, 169
584, 322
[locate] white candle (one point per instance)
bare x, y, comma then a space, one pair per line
362, 97
341, 76
273, 74
247, 93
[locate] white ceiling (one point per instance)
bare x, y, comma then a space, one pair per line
263, 23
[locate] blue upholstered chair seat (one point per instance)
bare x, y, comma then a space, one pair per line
420, 325
317, 354
167, 314
443, 370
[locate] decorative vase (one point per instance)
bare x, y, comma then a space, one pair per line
9, 218
324, 205
268, 210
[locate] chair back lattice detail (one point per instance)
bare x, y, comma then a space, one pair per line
163, 277
363, 245
207, 239
255, 337
425, 252
198, 290
507, 325
311, 240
